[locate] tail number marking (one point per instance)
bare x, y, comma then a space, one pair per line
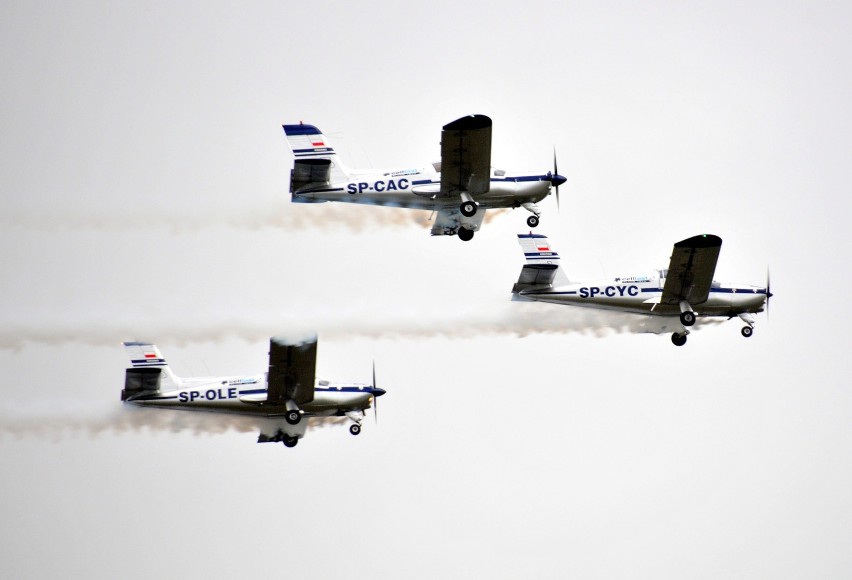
208, 395
390, 185
609, 291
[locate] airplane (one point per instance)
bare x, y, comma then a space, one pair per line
282, 397
685, 289
459, 188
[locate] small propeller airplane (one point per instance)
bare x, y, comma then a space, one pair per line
459, 188
686, 289
283, 396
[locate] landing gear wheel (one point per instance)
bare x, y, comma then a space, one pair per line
468, 208
687, 318
290, 441
747, 331
355, 429
465, 234
532, 221
678, 339
293, 417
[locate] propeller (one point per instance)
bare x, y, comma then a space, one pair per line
556, 179
768, 293
377, 392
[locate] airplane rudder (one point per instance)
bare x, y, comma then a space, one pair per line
145, 356
306, 140
536, 248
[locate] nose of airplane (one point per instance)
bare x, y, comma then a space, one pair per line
557, 180
377, 392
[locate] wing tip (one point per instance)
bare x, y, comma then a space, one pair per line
297, 338
469, 123
700, 241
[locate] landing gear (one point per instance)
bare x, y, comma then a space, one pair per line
468, 208
678, 339
293, 417
290, 441
465, 234
747, 331
533, 220
355, 429
687, 318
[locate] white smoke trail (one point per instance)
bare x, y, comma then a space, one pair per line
508, 319
276, 215
57, 418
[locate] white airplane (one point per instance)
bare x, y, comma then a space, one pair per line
459, 188
686, 289
284, 395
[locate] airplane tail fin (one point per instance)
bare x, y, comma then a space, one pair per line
317, 164
541, 268
149, 371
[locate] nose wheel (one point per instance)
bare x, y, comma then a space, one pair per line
532, 221
747, 331
355, 429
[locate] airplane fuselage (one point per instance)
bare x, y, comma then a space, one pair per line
641, 294
247, 395
421, 188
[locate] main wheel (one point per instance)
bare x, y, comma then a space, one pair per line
290, 441
465, 234
532, 221
678, 339
687, 318
747, 331
355, 429
468, 208
293, 417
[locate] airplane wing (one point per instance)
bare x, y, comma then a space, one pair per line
466, 156
691, 270
448, 221
292, 368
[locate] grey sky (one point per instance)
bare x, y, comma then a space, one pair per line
143, 195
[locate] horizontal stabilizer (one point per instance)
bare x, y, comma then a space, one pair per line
535, 275
308, 173
140, 380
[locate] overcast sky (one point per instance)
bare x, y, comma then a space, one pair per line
144, 196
